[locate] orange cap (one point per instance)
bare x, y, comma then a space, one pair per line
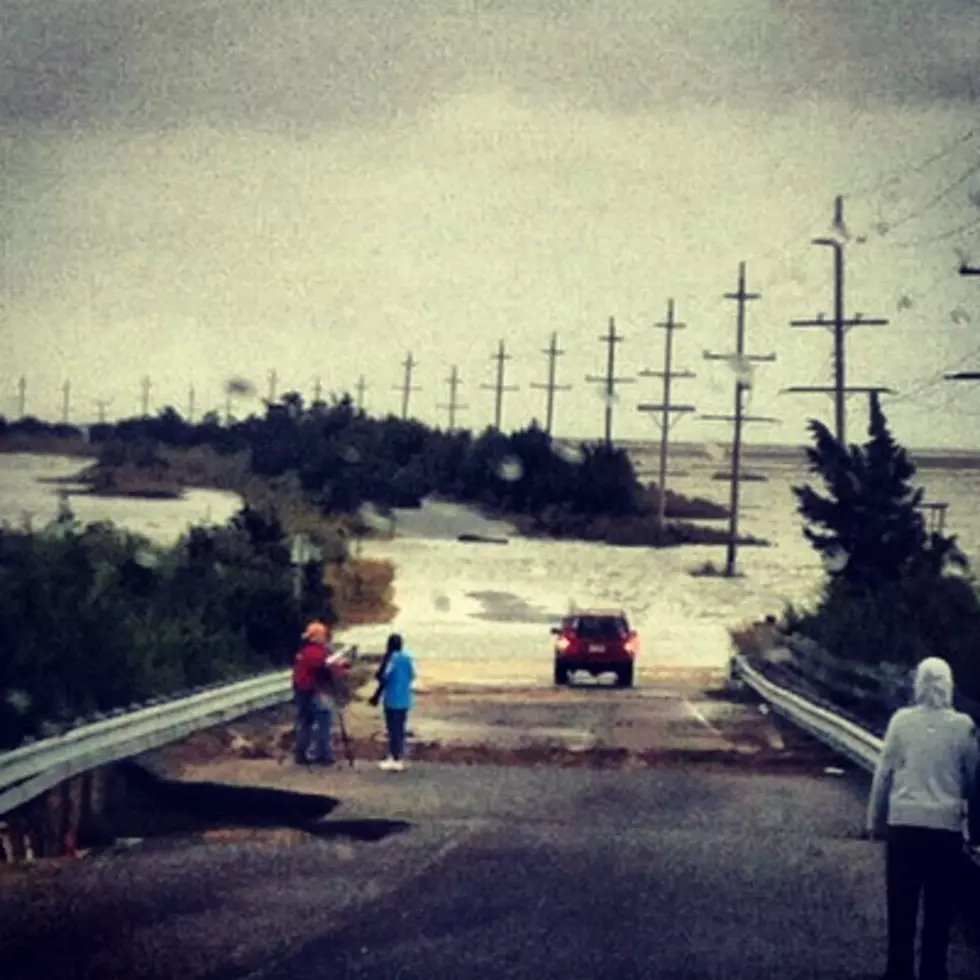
317, 632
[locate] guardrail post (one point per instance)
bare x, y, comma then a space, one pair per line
92, 821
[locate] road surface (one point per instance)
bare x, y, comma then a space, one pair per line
480, 871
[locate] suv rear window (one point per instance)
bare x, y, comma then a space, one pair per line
600, 627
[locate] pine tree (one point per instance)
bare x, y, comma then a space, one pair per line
870, 513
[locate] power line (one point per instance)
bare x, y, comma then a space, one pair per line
551, 386
898, 174
942, 237
893, 177
839, 325
741, 361
610, 339
665, 408
889, 227
936, 379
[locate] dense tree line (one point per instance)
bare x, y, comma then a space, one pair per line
343, 458
894, 590
94, 618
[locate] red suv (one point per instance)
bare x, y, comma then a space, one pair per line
597, 641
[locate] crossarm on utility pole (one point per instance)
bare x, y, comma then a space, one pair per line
406, 387
551, 386
839, 324
609, 380
665, 409
499, 388
739, 418
829, 390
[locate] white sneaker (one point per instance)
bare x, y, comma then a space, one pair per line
398, 766
388, 764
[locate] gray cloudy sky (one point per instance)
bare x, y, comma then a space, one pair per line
196, 189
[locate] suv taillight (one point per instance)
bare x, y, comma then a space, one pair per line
633, 644
563, 644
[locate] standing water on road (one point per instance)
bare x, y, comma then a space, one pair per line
482, 611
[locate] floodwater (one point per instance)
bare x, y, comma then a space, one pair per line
485, 609
482, 611
23, 498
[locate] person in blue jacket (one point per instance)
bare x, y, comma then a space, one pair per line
395, 678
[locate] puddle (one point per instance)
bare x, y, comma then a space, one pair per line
505, 607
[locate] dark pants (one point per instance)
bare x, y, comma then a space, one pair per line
312, 725
921, 862
395, 719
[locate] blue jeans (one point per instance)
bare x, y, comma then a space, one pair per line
313, 724
395, 719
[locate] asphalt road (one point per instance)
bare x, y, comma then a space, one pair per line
503, 872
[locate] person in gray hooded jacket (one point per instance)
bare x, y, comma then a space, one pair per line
919, 796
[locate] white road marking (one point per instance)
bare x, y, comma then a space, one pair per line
700, 716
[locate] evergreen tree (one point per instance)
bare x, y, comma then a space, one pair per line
870, 512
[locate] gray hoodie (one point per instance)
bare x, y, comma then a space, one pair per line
928, 765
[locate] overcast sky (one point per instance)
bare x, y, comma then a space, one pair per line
199, 189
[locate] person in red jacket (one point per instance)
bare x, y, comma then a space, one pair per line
311, 674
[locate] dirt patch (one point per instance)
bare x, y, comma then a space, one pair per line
566, 727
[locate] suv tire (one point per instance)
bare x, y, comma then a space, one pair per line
624, 676
561, 673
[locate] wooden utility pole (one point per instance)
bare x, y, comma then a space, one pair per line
102, 404
273, 380
66, 402
453, 406
190, 403
317, 392
739, 360
22, 397
499, 387
839, 325
665, 408
361, 388
146, 384
551, 386
406, 388
610, 339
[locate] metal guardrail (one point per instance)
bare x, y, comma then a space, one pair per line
28, 771
840, 734
843, 736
